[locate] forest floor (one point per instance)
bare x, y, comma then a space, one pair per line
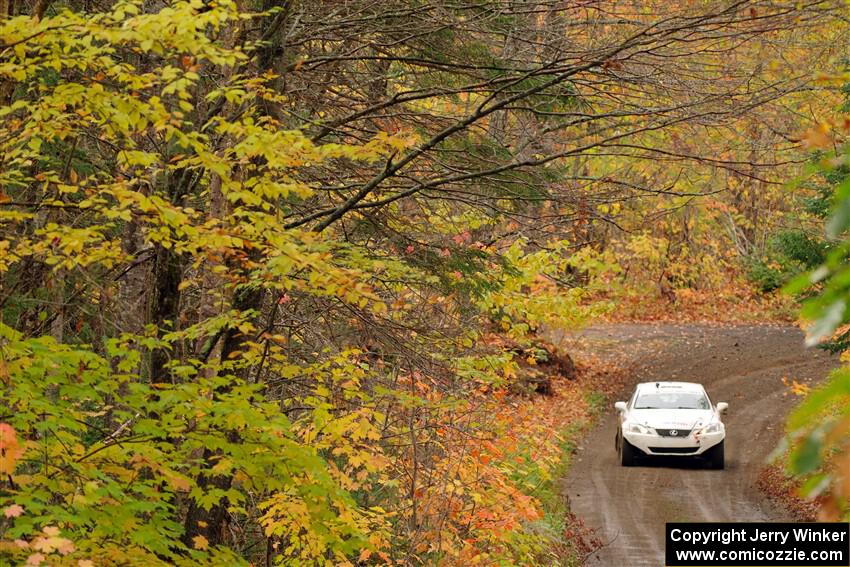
742, 365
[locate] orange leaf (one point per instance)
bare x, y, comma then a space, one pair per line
10, 450
13, 511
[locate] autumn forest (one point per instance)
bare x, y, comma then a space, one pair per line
287, 282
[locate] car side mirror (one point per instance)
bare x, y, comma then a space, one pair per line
722, 406
620, 406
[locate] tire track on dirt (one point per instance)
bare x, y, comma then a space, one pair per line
741, 365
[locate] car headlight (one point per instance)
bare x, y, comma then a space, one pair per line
712, 428
636, 428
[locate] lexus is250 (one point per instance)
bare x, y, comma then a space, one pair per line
670, 419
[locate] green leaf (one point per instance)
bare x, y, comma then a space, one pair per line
807, 457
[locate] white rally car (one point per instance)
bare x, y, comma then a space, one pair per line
670, 419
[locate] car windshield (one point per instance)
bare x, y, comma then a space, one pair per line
672, 400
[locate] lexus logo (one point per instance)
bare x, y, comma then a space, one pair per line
674, 433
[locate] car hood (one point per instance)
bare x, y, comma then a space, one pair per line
671, 418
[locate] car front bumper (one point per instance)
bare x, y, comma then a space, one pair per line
654, 444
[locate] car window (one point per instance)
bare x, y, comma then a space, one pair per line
672, 400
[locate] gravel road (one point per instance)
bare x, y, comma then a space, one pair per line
741, 365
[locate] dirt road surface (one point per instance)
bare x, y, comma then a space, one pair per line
743, 366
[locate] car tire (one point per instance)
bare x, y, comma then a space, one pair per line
716, 457
628, 453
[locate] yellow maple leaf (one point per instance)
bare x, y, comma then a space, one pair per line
200, 542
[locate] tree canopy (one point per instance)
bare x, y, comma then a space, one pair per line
259, 262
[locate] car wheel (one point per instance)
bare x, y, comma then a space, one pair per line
716, 458
628, 453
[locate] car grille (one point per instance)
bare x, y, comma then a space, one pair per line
682, 450
669, 432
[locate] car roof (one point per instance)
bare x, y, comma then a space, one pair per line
680, 386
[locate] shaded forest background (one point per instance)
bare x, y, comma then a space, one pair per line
274, 276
